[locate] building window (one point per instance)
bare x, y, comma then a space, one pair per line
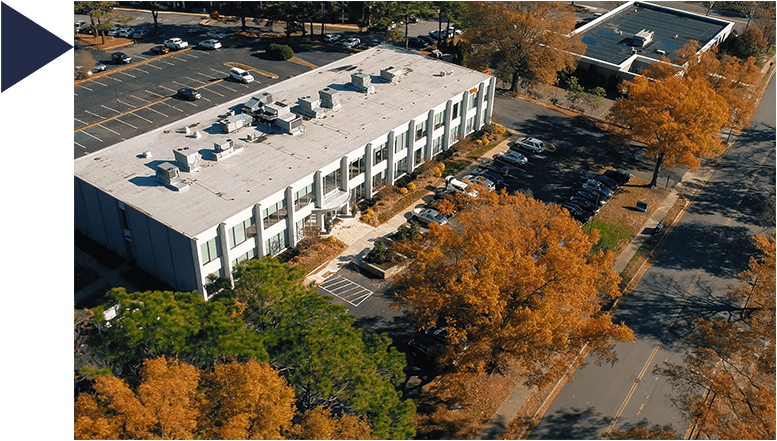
303, 197
454, 135
356, 168
437, 145
455, 111
419, 157
400, 142
381, 153
332, 181
378, 180
301, 226
211, 250
358, 193
274, 214
400, 168
472, 101
243, 257
471, 125
420, 131
439, 120
275, 244
241, 232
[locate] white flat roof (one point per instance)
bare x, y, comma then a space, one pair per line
221, 190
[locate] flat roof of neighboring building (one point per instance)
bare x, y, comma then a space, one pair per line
223, 189
609, 38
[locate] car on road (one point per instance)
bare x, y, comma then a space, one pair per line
241, 75
140, 33
534, 145
332, 38
453, 184
188, 93
622, 178
351, 42
210, 44
428, 216
176, 43
511, 157
160, 50
120, 58
126, 32
416, 42
480, 180
217, 35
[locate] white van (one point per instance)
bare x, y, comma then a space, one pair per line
241, 75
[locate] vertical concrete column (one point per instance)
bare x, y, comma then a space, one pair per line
429, 134
410, 142
259, 222
446, 140
479, 101
225, 261
463, 110
491, 92
318, 188
344, 182
197, 259
368, 156
291, 218
390, 159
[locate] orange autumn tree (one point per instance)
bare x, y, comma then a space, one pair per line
515, 281
319, 423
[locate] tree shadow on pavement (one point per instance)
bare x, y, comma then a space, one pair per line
571, 423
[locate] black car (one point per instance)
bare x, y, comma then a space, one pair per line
620, 177
160, 50
585, 204
120, 58
188, 93
594, 197
608, 182
416, 42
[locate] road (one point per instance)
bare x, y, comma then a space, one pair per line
706, 251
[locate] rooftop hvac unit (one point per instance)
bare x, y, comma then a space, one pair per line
225, 149
643, 37
222, 146
310, 107
329, 98
256, 102
290, 123
167, 174
188, 159
277, 110
235, 122
362, 83
391, 74
659, 51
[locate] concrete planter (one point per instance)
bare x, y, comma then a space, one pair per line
383, 273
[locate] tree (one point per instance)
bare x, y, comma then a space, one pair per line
727, 379
96, 10
677, 118
577, 93
527, 42
155, 323
644, 432
515, 282
319, 423
314, 345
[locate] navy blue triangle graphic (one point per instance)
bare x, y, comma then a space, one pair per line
19, 34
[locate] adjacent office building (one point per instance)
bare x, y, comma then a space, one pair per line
247, 178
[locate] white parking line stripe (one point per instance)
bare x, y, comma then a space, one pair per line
141, 56
212, 91
189, 102
181, 84
164, 87
125, 73
141, 70
126, 104
75, 94
102, 84
166, 62
205, 75
106, 107
79, 145
225, 87
140, 99
156, 111
170, 105
87, 133
144, 119
342, 288
86, 88
152, 93
125, 123
191, 55
155, 67
80, 121
115, 79
221, 72
196, 81
206, 99
106, 128
94, 114
181, 59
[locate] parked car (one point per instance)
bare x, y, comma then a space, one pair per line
217, 35
160, 50
332, 38
511, 157
583, 217
120, 58
140, 33
572, 208
427, 39
126, 32
605, 192
622, 178
113, 31
188, 93
428, 216
79, 23
99, 67
351, 42
451, 183
480, 180
534, 145
489, 174
600, 186
595, 197
241, 75
416, 42
176, 43
586, 204
210, 44
610, 183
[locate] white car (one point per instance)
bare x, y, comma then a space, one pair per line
113, 31
241, 75
428, 216
332, 38
217, 35
511, 157
140, 33
454, 184
176, 43
210, 44
480, 180
532, 144
351, 42
126, 32
80, 23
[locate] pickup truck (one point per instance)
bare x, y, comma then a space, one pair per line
176, 43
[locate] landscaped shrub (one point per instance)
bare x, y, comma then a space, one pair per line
411, 186
403, 190
282, 51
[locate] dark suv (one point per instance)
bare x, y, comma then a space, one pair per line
120, 58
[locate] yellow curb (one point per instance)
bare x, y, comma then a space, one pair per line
302, 62
106, 72
247, 67
137, 108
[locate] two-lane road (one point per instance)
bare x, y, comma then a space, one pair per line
706, 251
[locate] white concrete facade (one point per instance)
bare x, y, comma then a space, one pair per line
260, 201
